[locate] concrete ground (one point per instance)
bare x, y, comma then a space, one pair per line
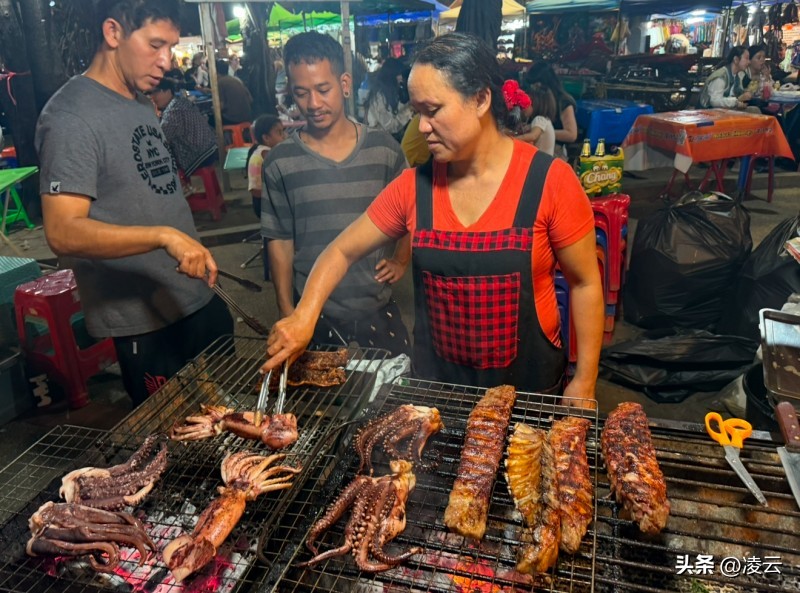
225, 238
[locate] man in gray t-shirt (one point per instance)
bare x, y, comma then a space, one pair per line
109, 189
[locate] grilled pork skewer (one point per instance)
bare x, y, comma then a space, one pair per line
636, 479
568, 439
531, 477
468, 506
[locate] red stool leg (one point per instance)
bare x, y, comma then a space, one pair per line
771, 179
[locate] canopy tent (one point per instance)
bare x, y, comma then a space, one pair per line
510, 8
642, 7
282, 21
371, 6
630, 7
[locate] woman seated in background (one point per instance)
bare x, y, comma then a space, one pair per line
757, 79
387, 103
723, 88
489, 219
565, 124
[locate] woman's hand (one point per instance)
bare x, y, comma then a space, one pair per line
745, 96
578, 395
390, 270
287, 339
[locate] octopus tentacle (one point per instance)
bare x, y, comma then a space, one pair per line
335, 511
39, 547
120, 485
136, 460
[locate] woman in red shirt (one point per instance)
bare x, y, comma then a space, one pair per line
490, 217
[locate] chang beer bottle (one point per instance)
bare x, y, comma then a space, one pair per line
601, 148
586, 151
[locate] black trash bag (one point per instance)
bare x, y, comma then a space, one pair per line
767, 279
684, 260
668, 365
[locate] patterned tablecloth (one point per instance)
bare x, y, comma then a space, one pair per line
678, 139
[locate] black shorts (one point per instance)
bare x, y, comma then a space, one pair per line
147, 361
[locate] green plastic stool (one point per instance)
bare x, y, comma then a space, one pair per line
9, 198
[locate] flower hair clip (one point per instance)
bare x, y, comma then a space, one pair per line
515, 96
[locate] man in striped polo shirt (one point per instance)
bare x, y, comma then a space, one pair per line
316, 183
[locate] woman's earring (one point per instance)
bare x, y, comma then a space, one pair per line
346, 94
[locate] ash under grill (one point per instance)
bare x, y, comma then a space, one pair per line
226, 374
450, 562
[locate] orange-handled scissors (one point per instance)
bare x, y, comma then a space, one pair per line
731, 434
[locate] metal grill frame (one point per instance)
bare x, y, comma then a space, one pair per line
712, 513
227, 374
284, 541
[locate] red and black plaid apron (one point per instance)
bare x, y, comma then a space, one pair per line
476, 323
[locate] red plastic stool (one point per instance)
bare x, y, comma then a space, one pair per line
237, 135
54, 300
210, 199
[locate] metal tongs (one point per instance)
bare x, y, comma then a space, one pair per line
249, 320
263, 395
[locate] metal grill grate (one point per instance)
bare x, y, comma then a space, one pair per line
450, 562
226, 373
713, 514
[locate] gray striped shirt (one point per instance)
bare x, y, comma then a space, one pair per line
311, 199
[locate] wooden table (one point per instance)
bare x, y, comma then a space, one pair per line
679, 139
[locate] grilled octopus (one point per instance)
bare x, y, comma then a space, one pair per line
246, 476
413, 424
66, 529
116, 487
276, 432
378, 516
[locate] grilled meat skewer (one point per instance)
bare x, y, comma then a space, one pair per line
636, 479
531, 477
468, 506
568, 439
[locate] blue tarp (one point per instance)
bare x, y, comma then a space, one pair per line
673, 6
628, 6
541, 6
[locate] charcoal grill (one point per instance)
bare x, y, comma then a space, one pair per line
713, 514
450, 562
225, 374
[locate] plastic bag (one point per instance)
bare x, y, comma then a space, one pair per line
669, 365
684, 260
765, 281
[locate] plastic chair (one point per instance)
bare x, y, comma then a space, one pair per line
770, 180
238, 135
210, 199
54, 300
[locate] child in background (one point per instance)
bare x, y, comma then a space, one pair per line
541, 132
267, 132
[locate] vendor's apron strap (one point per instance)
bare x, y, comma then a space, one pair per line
526, 211
424, 180
528, 206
